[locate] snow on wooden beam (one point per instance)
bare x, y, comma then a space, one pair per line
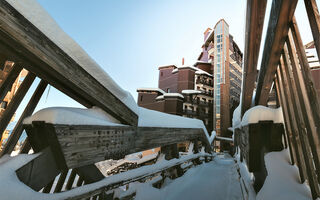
27, 45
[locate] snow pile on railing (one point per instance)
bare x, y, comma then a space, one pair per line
256, 114
96, 116
283, 179
10, 184
34, 13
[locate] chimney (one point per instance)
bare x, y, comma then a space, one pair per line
182, 61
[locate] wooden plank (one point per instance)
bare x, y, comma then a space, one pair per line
288, 132
61, 180
302, 130
281, 14
80, 145
294, 123
254, 24
306, 108
25, 147
40, 171
314, 20
71, 179
305, 76
48, 187
3, 60
18, 35
8, 80
17, 131
15, 102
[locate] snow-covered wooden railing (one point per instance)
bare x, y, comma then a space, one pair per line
284, 65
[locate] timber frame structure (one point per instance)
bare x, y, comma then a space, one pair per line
24, 45
284, 65
68, 151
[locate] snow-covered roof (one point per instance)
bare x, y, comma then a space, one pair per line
191, 92
198, 71
169, 95
151, 89
34, 13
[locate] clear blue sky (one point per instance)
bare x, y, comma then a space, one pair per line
131, 38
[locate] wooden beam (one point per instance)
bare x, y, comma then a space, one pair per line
301, 126
305, 77
15, 102
293, 124
80, 145
40, 171
61, 180
281, 14
17, 131
314, 20
254, 24
306, 109
8, 80
18, 35
25, 147
288, 132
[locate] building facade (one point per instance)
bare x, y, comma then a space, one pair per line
209, 90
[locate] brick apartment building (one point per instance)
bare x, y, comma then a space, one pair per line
209, 90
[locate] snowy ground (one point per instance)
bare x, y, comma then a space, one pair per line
217, 180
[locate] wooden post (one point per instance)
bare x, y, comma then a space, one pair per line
71, 179
314, 20
293, 125
17, 131
306, 108
8, 80
61, 180
48, 187
306, 76
302, 130
254, 24
25, 147
15, 102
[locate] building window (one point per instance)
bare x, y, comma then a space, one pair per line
141, 97
4, 105
161, 73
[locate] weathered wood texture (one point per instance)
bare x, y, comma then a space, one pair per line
304, 104
23, 42
314, 20
18, 129
281, 14
302, 130
15, 102
40, 171
254, 24
7, 79
293, 121
80, 145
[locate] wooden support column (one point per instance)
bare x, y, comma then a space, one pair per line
25, 147
8, 80
302, 130
15, 102
314, 20
61, 180
254, 24
293, 125
285, 116
17, 131
306, 108
71, 179
306, 76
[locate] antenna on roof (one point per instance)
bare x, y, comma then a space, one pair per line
182, 61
